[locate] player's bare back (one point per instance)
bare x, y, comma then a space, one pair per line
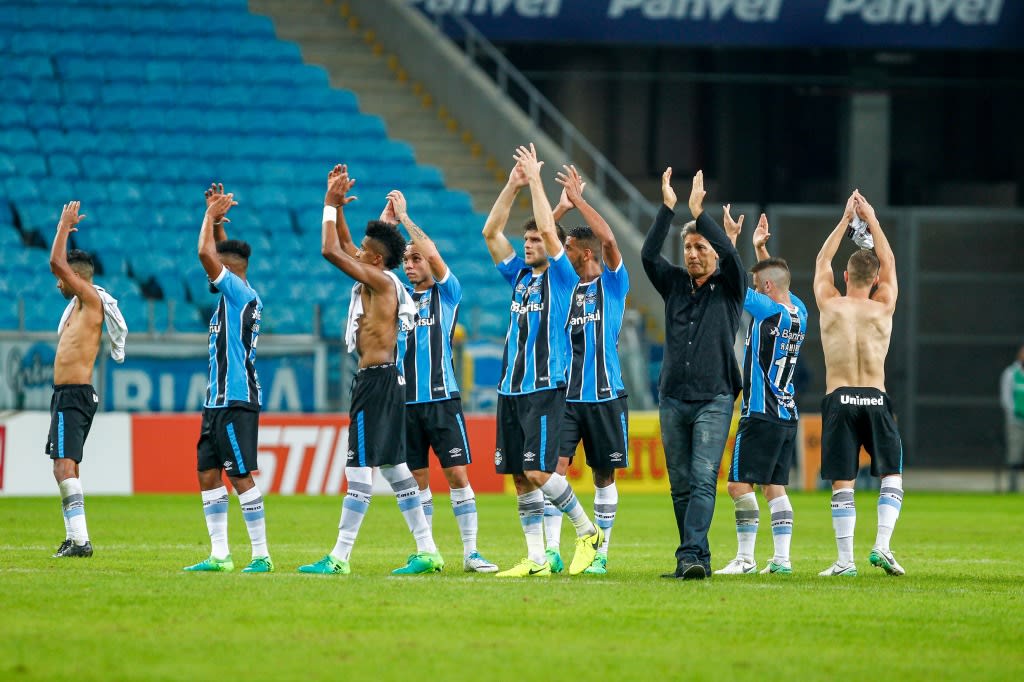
855, 337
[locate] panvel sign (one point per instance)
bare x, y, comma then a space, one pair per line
169, 384
933, 24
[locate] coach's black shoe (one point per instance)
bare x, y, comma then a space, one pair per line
689, 571
63, 548
77, 550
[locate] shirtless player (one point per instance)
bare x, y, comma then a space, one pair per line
74, 399
855, 332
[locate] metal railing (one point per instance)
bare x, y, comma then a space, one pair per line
543, 114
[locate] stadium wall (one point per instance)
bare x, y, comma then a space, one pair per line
303, 455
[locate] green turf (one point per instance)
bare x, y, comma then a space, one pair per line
131, 613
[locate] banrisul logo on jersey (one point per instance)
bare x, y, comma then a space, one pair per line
28, 375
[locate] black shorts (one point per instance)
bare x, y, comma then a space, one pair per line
228, 440
855, 417
438, 425
764, 452
528, 431
72, 408
604, 429
377, 415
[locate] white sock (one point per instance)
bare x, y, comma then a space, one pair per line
844, 519
215, 507
531, 516
67, 523
890, 501
747, 519
552, 526
73, 502
353, 510
782, 527
407, 494
558, 490
464, 507
427, 500
255, 521
606, 504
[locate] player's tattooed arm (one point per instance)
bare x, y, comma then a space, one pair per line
217, 208
68, 223
425, 244
494, 227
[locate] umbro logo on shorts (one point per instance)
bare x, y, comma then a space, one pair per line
497, 458
529, 456
95, 398
455, 452
615, 457
227, 464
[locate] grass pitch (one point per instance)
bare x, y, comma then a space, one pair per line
131, 613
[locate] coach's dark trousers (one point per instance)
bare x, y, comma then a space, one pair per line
693, 434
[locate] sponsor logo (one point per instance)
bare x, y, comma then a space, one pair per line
580, 298
95, 398
615, 456
715, 10
919, 12
531, 307
227, 464
425, 321
529, 456
28, 373
583, 319
455, 452
494, 8
401, 380
215, 328
497, 458
303, 458
860, 400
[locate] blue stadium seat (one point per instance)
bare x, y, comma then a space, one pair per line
18, 140
79, 69
29, 68
186, 318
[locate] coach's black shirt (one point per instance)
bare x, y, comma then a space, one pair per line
700, 322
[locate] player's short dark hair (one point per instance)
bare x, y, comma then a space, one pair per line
81, 262
235, 247
862, 267
585, 237
531, 226
779, 264
689, 228
390, 240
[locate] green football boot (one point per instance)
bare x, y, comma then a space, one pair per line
421, 562
213, 565
259, 564
327, 566
599, 566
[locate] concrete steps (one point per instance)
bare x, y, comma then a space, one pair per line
357, 62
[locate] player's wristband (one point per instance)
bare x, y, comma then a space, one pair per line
331, 214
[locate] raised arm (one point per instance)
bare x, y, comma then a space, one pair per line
219, 232
494, 228
336, 244
339, 183
824, 278
426, 246
573, 186
217, 208
564, 204
888, 289
760, 238
729, 262
732, 227
657, 267
68, 223
527, 158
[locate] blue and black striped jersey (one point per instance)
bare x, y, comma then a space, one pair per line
594, 323
234, 331
537, 341
427, 350
773, 343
